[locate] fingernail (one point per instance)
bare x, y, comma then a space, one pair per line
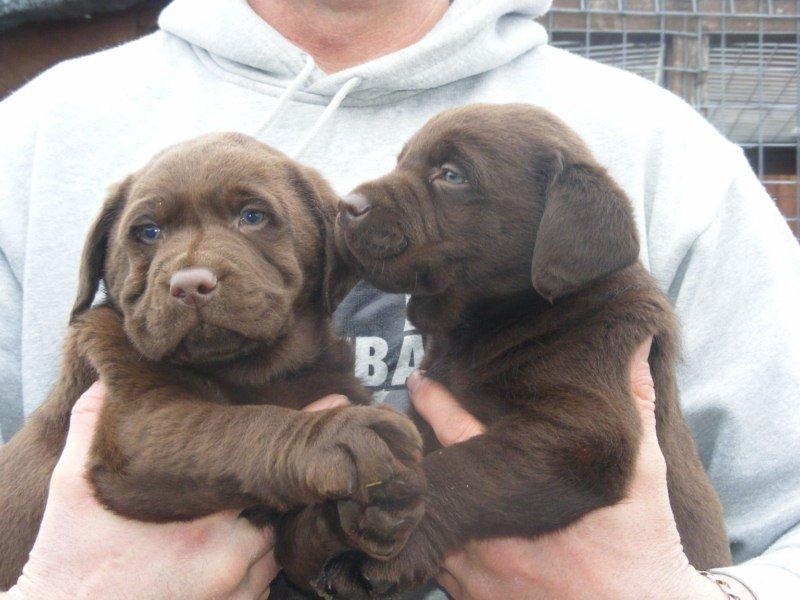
413, 381
327, 403
98, 388
333, 401
338, 400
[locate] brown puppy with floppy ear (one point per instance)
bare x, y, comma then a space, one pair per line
520, 255
218, 263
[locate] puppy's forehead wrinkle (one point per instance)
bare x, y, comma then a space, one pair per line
205, 170
162, 209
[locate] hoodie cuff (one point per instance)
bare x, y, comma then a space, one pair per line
764, 580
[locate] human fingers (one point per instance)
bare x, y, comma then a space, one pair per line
450, 584
331, 401
435, 404
641, 379
82, 422
252, 543
650, 464
260, 575
68, 474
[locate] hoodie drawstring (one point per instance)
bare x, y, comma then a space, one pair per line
326, 114
290, 91
287, 94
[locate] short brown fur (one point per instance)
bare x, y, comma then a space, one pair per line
520, 255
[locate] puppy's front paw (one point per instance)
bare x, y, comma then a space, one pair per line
355, 576
362, 452
342, 578
381, 525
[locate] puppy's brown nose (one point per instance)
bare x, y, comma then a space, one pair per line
356, 204
193, 286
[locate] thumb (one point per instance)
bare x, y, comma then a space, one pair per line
435, 404
650, 464
328, 402
642, 385
82, 423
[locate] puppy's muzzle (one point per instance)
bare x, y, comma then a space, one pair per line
355, 205
370, 233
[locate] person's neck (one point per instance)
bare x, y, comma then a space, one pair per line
340, 34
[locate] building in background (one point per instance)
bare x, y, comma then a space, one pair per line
735, 61
36, 34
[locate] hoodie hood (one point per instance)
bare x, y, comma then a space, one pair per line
473, 37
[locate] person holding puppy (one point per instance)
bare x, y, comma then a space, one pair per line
342, 85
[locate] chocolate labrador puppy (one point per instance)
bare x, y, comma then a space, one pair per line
220, 276
520, 255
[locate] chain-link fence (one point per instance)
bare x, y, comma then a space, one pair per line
735, 61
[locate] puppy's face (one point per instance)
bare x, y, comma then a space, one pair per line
210, 249
484, 198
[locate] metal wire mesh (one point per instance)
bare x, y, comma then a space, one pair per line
735, 61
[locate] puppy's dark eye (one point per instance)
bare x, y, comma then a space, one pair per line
147, 233
451, 175
250, 216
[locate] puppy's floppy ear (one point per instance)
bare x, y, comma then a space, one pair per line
338, 278
587, 230
95, 248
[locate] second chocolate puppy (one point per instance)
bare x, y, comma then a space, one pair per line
520, 255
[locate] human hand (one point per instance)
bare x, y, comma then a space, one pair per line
85, 551
631, 550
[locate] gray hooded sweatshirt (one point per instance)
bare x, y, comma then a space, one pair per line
711, 236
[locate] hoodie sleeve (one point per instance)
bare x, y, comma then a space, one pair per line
10, 325
737, 295
17, 148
